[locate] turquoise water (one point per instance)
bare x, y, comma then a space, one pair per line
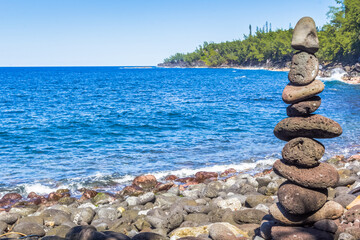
100, 126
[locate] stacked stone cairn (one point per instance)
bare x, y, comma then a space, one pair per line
303, 197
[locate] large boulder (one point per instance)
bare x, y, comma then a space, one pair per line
299, 200
293, 93
304, 68
304, 108
145, 181
305, 36
313, 126
30, 229
322, 176
303, 152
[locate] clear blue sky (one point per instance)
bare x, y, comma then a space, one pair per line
133, 32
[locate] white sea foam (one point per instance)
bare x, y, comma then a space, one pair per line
39, 188
336, 75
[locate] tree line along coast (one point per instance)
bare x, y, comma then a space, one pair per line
271, 49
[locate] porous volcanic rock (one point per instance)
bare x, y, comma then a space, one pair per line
305, 36
300, 200
304, 108
330, 210
293, 93
303, 152
304, 68
299, 233
322, 176
313, 126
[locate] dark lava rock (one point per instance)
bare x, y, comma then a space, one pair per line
299, 200
304, 68
148, 236
304, 108
110, 235
303, 152
313, 126
305, 36
299, 233
293, 93
326, 225
84, 233
322, 176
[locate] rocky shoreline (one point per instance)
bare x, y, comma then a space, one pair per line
350, 73
208, 205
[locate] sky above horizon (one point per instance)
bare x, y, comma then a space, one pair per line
136, 32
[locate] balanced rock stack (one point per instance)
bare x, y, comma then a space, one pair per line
303, 197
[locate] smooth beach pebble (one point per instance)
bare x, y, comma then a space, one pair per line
293, 93
291, 233
304, 108
322, 176
300, 200
303, 152
314, 126
304, 68
305, 36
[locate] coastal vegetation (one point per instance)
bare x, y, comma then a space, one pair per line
339, 43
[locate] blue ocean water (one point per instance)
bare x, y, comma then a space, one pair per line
101, 126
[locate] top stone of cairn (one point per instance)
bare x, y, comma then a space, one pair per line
305, 36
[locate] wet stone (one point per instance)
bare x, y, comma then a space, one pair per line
303, 152
304, 68
304, 108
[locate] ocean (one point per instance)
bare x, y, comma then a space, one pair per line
99, 127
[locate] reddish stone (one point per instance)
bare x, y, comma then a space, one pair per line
53, 197
354, 158
145, 181
171, 178
132, 190
4, 203
263, 173
227, 172
12, 196
88, 194
201, 176
185, 180
163, 187
33, 195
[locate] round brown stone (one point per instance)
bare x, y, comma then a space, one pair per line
293, 93
304, 108
304, 68
299, 200
303, 152
313, 126
322, 176
305, 36
330, 210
